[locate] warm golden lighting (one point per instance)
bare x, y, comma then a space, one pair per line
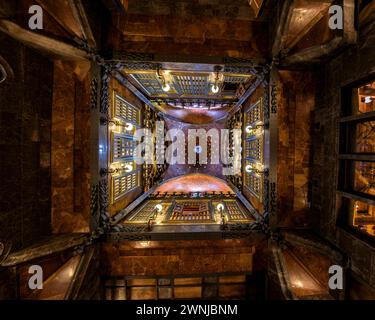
220, 207
128, 168
129, 127
249, 168
159, 208
166, 87
144, 244
215, 88
364, 217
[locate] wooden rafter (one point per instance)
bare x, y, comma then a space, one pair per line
282, 27
304, 31
52, 245
80, 15
57, 19
41, 42
346, 36
257, 6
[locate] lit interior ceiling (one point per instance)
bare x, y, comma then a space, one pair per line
196, 182
195, 116
190, 86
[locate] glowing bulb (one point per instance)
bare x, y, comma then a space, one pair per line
128, 168
129, 127
249, 129
198, 149
166, 87
215, 88
159, 208
220, 207
248, 168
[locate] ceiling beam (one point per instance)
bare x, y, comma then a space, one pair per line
260, 78
80, 15
257, 6
52, 245
118, 217
304, 31
314, 54
40, 42
55, 16
126, 83
350, 33
245, 202
282, 27
78, 280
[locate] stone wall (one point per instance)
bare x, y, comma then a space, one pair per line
150, 258
25, 140
296, 92
353, 64
71, 147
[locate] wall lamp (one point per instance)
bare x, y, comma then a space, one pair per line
113, 169
255, 130
166, 87
215, 86
260, 170
106, 171
112, 124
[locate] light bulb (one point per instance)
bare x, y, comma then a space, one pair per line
159, 208
215, 88
248, 168
166, 87
128, 168
198, 149
129, 127
249, 129
220, 207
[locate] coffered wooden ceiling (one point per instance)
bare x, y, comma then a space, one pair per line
190, 97
190, 87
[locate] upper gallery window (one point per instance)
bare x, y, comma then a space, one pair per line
126, 119
253, 149
357, 157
